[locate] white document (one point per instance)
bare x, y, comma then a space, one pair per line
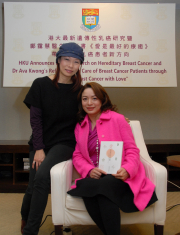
110, 156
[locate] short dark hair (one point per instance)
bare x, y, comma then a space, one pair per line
101, 94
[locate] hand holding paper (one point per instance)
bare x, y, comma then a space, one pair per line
96, 173
121, 174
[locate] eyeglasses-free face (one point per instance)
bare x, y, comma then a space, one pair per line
90, 103
68, 66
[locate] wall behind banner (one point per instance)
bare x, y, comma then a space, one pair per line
157, 109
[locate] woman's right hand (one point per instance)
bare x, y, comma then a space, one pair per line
38, 158
96, 173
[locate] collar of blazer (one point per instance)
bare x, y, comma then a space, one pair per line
104, 116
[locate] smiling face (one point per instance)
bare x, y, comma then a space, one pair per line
68, 66
90, 103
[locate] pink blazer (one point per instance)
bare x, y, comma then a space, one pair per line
112, 126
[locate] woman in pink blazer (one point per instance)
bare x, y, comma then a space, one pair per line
104, 194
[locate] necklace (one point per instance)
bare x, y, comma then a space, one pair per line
95, 162
97, 151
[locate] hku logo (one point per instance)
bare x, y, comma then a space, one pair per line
90, 19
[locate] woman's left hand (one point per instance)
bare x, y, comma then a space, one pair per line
121, 174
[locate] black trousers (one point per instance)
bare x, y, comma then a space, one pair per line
104, 213
35, 198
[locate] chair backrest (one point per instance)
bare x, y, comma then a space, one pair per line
139, 139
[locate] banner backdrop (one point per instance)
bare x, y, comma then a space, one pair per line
125, 45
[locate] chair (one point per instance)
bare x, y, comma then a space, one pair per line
67, 210
173, 161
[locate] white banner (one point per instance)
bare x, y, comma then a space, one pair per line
125, 45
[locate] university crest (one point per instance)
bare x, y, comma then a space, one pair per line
90, 19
